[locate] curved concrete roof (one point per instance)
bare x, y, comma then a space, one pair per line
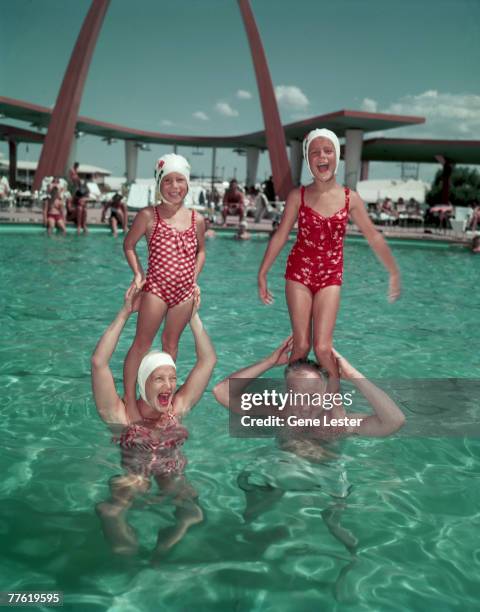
339, 122
421, 150
9, 132
375, 149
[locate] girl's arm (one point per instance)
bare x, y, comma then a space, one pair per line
193, 388
138, 229
388, 417
200, 261
277, 242
109, 405
361, 219
279, 357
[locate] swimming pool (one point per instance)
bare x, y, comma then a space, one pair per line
392, 526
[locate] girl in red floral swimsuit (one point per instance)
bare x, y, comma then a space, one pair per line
176, 254
315, 264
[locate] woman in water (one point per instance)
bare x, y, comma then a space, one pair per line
149, 432
315, 265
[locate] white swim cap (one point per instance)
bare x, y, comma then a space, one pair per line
171, 162
323, 133
152, 361
243, 224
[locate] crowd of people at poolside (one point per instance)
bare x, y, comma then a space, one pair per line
59, 206
66, 201
388, 212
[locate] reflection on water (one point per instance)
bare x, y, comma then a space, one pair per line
388, 525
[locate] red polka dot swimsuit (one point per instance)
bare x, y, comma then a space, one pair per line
171, 261
316, 259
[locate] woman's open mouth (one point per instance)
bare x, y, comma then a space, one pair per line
163, 399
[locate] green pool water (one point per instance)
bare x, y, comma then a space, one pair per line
392, 525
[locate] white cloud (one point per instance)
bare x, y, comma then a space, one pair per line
201, 115
447, 115
243, 94
166, 122
291, 97
225, 109
368, 105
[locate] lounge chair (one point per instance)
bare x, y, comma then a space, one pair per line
461, 219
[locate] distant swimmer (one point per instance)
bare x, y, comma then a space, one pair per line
117, 213
149, 433
176, 255
209, 231
314, 273
242, 232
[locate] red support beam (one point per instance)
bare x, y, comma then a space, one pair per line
61, 130
277, 147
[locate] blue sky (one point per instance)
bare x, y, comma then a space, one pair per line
179, 67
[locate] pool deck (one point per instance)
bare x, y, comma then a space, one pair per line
33, 216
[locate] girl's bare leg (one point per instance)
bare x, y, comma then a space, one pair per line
50, 226
176, 320
84, 220
114, 226
325, 308
150, 316
61, 226
299, 302
112, 513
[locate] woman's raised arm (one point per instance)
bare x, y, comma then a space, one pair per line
109, 405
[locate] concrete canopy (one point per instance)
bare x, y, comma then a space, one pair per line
343, 120
421, 150
339, 122
9, 132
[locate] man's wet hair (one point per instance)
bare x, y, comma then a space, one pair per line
304, 364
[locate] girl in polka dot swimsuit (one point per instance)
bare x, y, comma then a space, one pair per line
314, 271
176, 254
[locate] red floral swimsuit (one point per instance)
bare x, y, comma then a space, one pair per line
316, 259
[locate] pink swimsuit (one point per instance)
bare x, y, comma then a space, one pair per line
316, 259
171, 261
153, 451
